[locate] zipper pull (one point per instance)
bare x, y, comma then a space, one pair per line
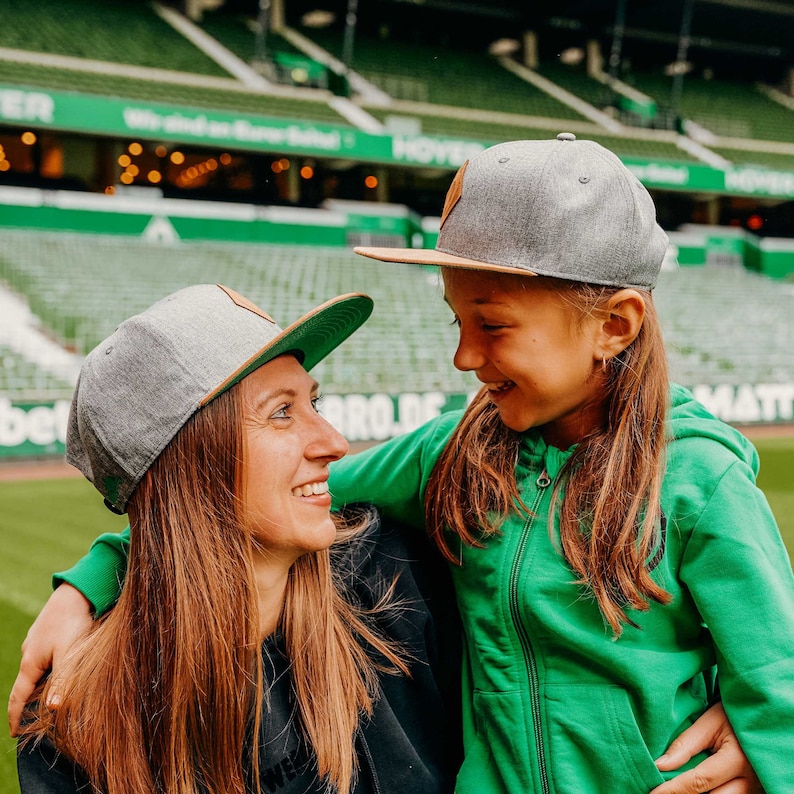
543, 481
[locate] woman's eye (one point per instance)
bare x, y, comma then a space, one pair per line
317, 402
282, 412
487, 327
455, 321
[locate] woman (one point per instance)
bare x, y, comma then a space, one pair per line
240, 656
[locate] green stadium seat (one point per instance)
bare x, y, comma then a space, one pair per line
722, 325
103, 30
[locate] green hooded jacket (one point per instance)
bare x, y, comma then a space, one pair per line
552, 703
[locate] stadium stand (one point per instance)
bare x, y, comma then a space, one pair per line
26, 379
721, 323
129, 33
437, 86
399, 79
229, 95
81, 286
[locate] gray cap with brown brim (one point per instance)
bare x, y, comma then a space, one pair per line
562, 208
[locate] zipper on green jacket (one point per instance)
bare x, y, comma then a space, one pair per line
542, 482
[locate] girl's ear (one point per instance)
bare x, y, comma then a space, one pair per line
624, 314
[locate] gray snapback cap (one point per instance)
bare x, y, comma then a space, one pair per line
139, 387
563, 208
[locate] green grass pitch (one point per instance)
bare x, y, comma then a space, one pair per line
45, 525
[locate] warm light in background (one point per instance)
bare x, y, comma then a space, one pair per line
177, 158
755, 222
154, 177
225, 159
135, 149
4, 165
307, 172
161, 151
28, 138
110, 190
371, 181
126, 178
124, 160
299, 75
133, 169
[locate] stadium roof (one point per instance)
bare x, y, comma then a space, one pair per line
762, 28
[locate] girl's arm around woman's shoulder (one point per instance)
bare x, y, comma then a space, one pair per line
393, 475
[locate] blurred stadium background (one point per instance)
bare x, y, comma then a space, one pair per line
148, 145
145, 146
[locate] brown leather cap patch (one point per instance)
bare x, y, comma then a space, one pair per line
244, 303
454, 193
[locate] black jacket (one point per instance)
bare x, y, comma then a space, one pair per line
412, 741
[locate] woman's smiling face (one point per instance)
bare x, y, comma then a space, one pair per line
288, 447
536, 355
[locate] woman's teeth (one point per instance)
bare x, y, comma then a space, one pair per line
310, 489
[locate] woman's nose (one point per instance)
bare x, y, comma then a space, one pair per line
328, 442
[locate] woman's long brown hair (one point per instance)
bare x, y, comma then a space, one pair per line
165, 694
610, 512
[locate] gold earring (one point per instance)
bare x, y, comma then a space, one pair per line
603, 363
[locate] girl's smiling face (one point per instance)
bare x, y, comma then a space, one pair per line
538, 357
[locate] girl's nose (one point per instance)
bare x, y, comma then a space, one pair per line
467, 357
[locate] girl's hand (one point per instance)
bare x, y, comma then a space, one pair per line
727, 771
61, 622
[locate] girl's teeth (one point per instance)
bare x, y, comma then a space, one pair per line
310, 489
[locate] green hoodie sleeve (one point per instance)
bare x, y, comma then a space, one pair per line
738, 572
393, 475
100, 574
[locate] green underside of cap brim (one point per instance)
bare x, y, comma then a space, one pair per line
311, 338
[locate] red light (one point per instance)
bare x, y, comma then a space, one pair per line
755, 222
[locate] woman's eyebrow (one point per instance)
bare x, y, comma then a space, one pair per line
272, 396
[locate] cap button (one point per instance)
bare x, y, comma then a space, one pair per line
566, 136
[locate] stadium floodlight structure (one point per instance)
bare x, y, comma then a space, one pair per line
681, 56
351, 18
261, 61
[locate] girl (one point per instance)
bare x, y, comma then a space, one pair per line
242, 656
609, 547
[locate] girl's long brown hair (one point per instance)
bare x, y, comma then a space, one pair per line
610, 513
165, 693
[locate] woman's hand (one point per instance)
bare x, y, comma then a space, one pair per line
727, 771
61, 622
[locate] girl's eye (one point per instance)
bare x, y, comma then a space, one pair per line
455, 321
487, 327
317, 402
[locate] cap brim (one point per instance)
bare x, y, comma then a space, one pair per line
431, 256
312, 337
